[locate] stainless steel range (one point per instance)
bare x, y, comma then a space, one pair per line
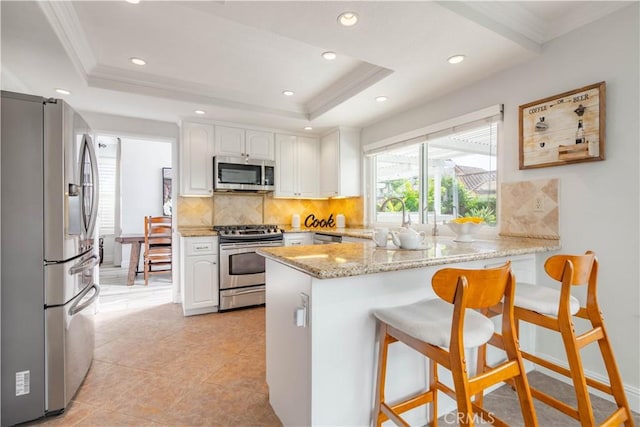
242, 271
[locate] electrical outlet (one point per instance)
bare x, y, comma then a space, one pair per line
538, 203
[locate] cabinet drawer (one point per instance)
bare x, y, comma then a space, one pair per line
201, 246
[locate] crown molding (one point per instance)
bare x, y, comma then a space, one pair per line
117, 79
65, 23
359, 79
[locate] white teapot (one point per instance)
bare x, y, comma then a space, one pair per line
408, 238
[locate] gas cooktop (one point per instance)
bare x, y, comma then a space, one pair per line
255, 231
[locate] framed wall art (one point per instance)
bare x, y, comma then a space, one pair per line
563, 129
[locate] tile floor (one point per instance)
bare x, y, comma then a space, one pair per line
155, 367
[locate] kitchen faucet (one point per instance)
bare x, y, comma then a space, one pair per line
435, 224
406, 223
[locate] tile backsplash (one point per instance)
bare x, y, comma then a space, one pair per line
195, 211
530, 209
225, 209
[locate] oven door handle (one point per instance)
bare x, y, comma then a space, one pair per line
234, 246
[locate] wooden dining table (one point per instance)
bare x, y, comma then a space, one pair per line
136, 241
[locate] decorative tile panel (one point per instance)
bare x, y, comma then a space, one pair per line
530, 209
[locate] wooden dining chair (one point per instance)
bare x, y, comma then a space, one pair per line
557, 310
157, 246
441, 329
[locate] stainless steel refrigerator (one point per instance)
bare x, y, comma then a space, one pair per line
48, 215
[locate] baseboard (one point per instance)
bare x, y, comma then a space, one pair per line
633, 393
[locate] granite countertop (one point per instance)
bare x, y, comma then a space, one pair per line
200, 231
354, 259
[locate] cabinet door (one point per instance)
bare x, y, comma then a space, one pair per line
340, 160
330, 165
229, 142
285, 166
259, 145
196, 159
307, 166
201, 284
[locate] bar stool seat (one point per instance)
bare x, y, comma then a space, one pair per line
430, 320
542, 300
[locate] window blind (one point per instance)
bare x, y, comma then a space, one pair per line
106, 207
437, 130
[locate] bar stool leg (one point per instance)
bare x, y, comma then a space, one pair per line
383, 348
433, 380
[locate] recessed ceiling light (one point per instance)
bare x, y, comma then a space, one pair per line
308, 128
133, 1
63, 91
138, 61
455, 59
329, 56
348, 19
287, 93
381, 98
200, 112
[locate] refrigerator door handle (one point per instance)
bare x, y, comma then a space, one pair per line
93, 261
76, 307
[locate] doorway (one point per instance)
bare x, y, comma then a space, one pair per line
135, 182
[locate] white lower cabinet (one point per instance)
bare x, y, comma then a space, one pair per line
199, 275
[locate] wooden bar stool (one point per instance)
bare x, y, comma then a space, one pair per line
555, 310
441, 329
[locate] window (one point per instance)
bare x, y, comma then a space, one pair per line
444, 174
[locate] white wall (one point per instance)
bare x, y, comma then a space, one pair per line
599, 201
141, 185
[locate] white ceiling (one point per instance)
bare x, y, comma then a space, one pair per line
233, 59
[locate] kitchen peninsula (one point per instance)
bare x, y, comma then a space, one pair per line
320, 333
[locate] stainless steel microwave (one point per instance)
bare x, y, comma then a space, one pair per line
243, 174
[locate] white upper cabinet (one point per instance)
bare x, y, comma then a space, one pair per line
196, 159
237, 142
286, 185
297, 171
229, 141
308, 167
340, 160
259, 145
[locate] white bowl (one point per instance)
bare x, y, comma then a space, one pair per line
464, 230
